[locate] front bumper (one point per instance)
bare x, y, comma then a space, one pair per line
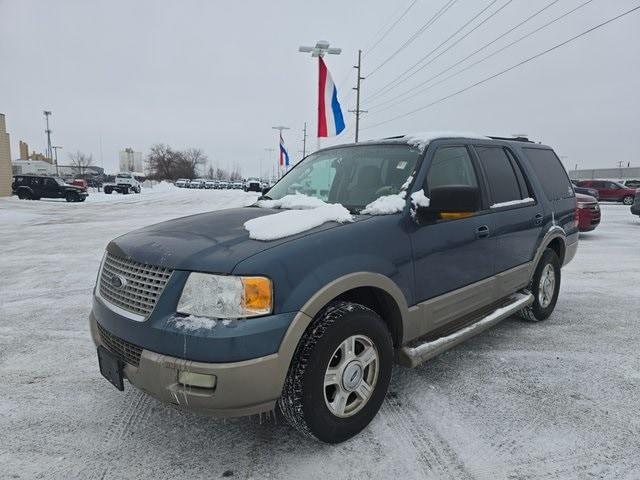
242, 388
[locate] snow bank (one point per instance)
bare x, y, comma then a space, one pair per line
291, 222
298, 201
513, 202
422, 139
386, 205
419, 199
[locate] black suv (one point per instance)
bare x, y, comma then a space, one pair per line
35, 187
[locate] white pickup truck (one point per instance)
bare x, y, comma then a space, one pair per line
125, 183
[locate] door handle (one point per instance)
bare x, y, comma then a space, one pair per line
537, 220
482, 231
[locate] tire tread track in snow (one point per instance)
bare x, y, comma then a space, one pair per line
434, 453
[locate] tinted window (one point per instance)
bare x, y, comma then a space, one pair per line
503, 182
554, 179
451, 166
50, 182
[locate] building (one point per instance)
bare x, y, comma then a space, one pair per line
131, 161
24, 150
625, 173
39, 167
5, 160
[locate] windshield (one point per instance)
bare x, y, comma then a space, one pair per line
59, 181
352, 176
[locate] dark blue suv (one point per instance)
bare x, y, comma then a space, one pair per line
367, 254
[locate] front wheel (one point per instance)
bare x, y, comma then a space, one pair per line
72, 197
544, 286
340, 373
628, 200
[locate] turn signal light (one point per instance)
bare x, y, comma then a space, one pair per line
258, 295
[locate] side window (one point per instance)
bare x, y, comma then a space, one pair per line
501, 175
612, 186
49, 182
36, 182
552, 175
451, 166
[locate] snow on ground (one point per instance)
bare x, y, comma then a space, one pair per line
558, 399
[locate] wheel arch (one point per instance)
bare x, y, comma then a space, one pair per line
555, 239
373, 290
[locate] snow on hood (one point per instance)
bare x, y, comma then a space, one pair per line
422, 139
291, 222
297, 201
386, 205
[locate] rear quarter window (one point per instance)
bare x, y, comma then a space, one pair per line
550, 172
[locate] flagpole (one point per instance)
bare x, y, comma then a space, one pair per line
280, 128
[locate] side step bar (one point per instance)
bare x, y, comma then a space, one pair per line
412, 356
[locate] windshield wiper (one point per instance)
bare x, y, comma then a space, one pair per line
265, 197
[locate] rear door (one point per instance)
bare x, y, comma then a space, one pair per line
517, 215
450, 254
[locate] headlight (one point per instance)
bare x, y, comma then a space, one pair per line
220, 296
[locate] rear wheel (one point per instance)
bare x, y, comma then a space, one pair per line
628, 200
544, 286
339, 374
108, 190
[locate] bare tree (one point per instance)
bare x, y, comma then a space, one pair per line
80, 161
194, 159
164, 163
221, 174
210, 173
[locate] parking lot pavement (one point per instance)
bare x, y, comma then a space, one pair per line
558, 399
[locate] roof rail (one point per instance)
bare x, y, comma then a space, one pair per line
513, 139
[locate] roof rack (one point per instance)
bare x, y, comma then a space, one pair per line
513, 139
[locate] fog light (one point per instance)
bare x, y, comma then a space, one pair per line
200, 380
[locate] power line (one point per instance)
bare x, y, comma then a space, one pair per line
519, 64
399, 79
415, 35
530, 17
384, 35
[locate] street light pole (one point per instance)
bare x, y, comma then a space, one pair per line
56, 148
47, 113
320, 50
304, 140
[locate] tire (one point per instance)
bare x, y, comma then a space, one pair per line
628, 200
108, 191
71, 197
312, 406
21, 195
27, 195
543, 305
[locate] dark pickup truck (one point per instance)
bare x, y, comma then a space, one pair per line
398, 250
35, 187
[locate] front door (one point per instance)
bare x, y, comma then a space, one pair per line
450, 254
50, 188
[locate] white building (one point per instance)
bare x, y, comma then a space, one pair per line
131, 161
22, 167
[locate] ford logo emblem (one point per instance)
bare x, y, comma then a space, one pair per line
118, 282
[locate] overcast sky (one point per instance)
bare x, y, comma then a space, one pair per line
218, 75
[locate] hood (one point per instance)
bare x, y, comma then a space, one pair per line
213, 242
581, 197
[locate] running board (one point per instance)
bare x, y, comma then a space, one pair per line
412, 356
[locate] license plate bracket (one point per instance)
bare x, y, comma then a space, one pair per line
111, 367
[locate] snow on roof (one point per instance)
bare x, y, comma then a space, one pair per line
422, 139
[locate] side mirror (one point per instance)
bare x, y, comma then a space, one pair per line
451, 201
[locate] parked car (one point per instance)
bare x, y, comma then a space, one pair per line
592, 192
223, 185
588, 212
252, 185
125, 183
80, 183
635, 208
436, 239
238, 185
35, 187
182, 183
210, 184
611, 191
631, 184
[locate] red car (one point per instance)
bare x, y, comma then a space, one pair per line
588, 212
80, 183
611, 191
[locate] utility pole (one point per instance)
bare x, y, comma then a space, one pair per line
357, 111
47, 113
304, 140
56, 148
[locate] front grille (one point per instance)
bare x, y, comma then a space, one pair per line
141, 288
125, 351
